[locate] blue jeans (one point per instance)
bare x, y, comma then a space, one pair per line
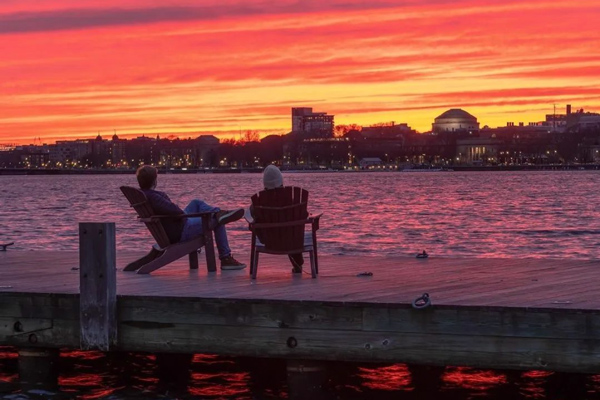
193, 226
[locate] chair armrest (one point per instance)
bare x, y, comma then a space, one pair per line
178, 216
202, 214
248, 216
314, 220
267, 225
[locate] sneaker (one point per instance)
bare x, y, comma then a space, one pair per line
227, 216
230, 263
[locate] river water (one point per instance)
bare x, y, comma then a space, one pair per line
551, 214
545, 214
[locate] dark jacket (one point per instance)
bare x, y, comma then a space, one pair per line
162, 205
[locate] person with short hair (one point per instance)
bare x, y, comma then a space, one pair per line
182, 229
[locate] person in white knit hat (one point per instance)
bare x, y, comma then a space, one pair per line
273, 179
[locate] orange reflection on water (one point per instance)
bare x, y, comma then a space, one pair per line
8, 378
235, 383
81, 380
82, 355
392, 377
147, 379
536, 374
99, 394
532, 384
473, 379
207, 359
7, 352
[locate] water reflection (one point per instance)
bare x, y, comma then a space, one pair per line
475, 214
123, 376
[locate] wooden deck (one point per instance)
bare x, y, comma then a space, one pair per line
495, 313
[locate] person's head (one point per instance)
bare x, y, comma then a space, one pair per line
272, 177
146, 176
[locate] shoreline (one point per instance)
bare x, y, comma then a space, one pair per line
32, 171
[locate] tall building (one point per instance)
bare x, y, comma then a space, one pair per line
311, 124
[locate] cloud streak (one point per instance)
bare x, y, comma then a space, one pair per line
70, 68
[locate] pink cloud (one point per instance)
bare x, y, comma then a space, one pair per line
73, 67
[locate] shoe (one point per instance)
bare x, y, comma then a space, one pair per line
227, 216
297, 268
230, 263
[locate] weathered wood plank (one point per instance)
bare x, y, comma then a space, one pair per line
98, 285
486, 312
39, 305
433, 349
45, 333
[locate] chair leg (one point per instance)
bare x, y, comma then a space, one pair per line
314, 238
152, 255
255, 262
211, 263
313, 265
252, 251
193, 260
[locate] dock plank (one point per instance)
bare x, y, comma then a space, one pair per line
504, 313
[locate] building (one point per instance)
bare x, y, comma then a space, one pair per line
455, 120
67, 152
370, 163
311, 124
482, 150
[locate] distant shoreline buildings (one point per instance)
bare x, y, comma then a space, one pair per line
315, 142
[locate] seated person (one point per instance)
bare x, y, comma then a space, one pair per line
272, 179
182, 229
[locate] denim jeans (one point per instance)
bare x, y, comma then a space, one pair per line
193, 226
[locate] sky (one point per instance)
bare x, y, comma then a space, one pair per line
72, 69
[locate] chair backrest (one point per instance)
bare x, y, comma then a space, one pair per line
285, 204
139, 202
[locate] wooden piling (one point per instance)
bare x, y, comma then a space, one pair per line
307, 379
97, 286
38, 368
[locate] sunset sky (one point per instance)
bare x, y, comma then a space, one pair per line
70, 69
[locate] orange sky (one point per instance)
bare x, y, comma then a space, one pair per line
71, 69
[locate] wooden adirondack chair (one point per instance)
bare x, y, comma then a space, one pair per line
165, 252
277, 225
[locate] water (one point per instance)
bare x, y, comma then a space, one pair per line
456, 214
476, 214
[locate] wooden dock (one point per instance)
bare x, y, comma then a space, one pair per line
491, 313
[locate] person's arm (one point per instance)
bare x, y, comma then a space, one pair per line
162, 204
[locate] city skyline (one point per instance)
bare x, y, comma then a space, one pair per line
71, 70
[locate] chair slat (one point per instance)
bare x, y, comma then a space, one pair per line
139, 202
276, 206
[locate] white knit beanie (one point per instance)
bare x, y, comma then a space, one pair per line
272, 177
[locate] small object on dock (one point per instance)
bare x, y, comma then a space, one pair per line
75, 269
5, 287
3, 246
365, 274
423, 254
422, 301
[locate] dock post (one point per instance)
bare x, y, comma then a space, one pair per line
306, 379
97, 285
38, 368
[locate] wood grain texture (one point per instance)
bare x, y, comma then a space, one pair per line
494, 313
98, 285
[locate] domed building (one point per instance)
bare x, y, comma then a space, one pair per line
455, 120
